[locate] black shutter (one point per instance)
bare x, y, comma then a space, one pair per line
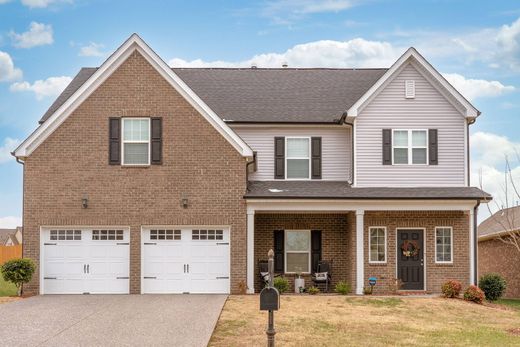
316, 157
114, 141
315, 249
156, 141
387, 146
278, 251
279, 157
433, 147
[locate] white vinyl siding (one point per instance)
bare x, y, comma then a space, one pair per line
428, 110
335, 151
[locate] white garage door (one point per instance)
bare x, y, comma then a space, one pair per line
80, 260
185, 260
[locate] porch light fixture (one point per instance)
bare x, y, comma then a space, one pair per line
84, 201
184, 202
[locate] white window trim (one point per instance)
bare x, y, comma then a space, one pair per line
147, 142
303, 252
308, 158
451, 245
369, 243
410, 147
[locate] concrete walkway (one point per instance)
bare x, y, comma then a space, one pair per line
110, 320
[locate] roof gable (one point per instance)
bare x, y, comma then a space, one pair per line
96, 78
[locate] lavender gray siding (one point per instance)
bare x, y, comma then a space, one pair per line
336, 149
429, 109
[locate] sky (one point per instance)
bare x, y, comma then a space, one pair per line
474, 44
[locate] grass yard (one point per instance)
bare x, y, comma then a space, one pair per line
6, 288
372, 321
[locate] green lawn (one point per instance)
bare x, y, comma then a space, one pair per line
513, 303
7, 288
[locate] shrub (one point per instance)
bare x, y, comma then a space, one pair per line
475, 294
281, 283
493, 286
367, 290
313, 290
18, 271
451, 289
343, 288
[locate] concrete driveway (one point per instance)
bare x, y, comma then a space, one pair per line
110, 320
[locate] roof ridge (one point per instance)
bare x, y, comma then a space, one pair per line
279, 68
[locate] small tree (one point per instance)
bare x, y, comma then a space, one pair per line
18, 272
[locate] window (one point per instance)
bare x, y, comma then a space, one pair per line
68, 235
443, 245
297, 251
377, 244
297, 160
165, 234
207, 235
410, 146
136, 141
108, 235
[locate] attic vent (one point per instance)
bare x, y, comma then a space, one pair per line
409, 87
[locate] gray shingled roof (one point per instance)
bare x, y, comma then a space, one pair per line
507, 219
265, 95
5, 233
342, 190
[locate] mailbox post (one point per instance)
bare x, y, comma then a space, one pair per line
270, 300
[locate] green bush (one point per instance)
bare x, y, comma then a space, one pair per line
343, 287
281, 283
18, 271
493, 286
451, 289
475, 294
313, 290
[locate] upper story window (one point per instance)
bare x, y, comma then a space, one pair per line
136, 141
410, 147
297, 158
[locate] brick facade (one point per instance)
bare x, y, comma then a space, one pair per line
198, 164
498, 257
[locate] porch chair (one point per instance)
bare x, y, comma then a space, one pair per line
323, 274
263, 270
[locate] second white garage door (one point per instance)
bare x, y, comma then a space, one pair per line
178, 260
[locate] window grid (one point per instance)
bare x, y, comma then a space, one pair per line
160, 234
125, 123
410, 146
65, 235
377, 245
288, 158
202, 235
303, 251
107, 235
443, 245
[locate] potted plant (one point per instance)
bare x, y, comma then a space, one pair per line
299, 282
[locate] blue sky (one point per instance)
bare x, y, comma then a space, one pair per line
475, 44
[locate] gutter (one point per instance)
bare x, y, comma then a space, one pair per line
475, 242
247, 170
343, 121
21, 162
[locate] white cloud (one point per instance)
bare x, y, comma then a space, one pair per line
52, 86
4, 1
39, 34
7, 70
325, 53
6, 149
92, 50
42, 3
477, 88
10, 222
307, 6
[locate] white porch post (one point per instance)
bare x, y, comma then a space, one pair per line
360, 257
250, 251
472, 254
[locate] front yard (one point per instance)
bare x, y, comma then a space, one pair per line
7, 288
372, 321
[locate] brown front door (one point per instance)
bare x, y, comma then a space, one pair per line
410, 259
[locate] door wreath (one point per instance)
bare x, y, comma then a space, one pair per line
410, 248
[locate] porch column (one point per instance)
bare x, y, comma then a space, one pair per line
472, 255
360, 257
250, 251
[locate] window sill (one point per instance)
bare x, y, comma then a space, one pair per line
443, 264
135, 166
377, 264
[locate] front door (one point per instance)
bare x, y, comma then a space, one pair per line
410, 259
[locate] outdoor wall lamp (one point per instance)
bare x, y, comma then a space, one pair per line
184, 202
84, 201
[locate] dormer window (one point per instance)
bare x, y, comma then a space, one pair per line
297, 157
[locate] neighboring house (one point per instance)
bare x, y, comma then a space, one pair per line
11, 237
495, 254
146, 179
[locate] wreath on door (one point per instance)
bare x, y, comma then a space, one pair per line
410, 248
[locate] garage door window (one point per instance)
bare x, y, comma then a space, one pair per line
165, 234
107, 235
62, 235
207, 235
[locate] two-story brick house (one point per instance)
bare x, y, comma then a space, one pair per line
146, 179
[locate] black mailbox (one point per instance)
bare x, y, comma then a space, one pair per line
269, 299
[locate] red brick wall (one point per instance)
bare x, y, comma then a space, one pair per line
504, 259
436, 274
198, 163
